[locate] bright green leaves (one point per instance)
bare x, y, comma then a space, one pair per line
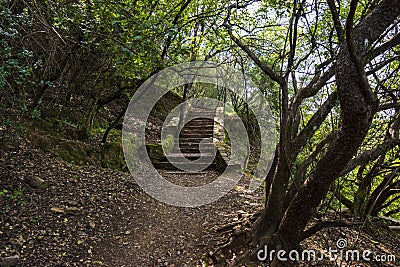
13, 70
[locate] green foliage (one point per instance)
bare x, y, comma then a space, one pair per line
72, 56
36, 219
168, 143
16, 195
15, 73
3, 192
112, 156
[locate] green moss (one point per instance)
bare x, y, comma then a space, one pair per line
168, 143
42, 135
112, 156
61, 137
155, 152
75, 152
164, 106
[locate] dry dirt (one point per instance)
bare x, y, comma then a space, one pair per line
88, 216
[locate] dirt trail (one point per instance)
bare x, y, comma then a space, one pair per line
157, 234
91, 216
88, 216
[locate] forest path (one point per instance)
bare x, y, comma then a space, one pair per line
152, 233
88, 216
92, 216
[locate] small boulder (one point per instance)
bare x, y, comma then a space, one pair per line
36, 182
9, 261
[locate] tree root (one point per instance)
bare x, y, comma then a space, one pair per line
230, 252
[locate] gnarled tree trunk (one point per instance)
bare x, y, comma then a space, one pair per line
357, 111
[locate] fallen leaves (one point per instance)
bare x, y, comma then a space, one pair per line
17, 240
57, 210
101, 217
92, 225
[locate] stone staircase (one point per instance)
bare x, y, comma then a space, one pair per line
196, 134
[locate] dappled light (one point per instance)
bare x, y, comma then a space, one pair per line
199, 133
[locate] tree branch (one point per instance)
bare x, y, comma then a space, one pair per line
313, 87
394, 41
336, 20
370, 155
313, 124
324, 224
301, 169
262, 65
356, 55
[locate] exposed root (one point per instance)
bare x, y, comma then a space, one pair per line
238, 246
225, 251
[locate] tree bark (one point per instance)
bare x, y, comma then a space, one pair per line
357, 111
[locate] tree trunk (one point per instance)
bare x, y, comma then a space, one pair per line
357, 111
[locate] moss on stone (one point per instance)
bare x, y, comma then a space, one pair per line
168, 143
74, 152
112, 156
155, 152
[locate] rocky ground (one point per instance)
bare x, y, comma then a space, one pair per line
55, 213
60, 214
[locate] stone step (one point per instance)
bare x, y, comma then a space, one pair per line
195, 126
201, 115
198, 129
206, 128
206, 144
189, 155
191, 149
166, 165
199, 123
196, 111
196, 135
201, 109
183, 161
184, 172
195, 140
199, 119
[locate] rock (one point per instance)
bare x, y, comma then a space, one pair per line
36, 182
72, 180
57, 210
17, 241
346, 212
72, 210
92, 225
9, 261
72, 203
394, 228
81, 233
